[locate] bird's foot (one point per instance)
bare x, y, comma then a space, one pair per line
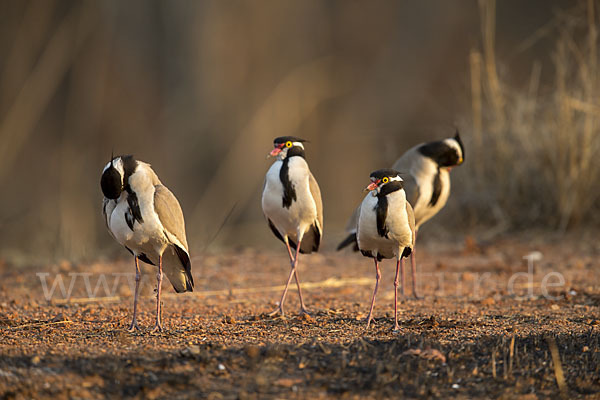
157, 327
396, 329
369, 319
278, 310
417, 296
133, 327
304, 311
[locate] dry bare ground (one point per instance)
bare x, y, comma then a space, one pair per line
474, 335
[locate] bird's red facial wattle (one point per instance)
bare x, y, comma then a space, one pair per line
277, 150
373, 185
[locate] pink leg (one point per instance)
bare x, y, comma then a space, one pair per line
292, 273
158, 324
398, 264
134, 325
303, 309
377, 277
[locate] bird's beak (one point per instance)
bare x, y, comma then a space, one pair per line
276, 150
460, 161
372, 186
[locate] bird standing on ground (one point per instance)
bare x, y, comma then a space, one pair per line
426, 173
386, 227
291, 202
146, 218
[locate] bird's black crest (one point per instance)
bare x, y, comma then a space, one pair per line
381, 173
441, 153
460, 143
289, 192
284, 139
437, 189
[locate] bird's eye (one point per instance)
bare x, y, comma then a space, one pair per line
385, 180
288, 144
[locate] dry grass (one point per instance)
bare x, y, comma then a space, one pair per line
535, 147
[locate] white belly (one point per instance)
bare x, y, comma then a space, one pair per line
423, 210
302, 212
147, 238
399, 232
367, 236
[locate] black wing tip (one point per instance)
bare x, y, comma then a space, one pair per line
316, 236
187, 288
189, 280
275, 231
351, 239
187, 265
303, 250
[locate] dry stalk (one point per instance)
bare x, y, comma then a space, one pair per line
558, 370
476, 102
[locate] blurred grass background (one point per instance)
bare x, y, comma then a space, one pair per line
200, 88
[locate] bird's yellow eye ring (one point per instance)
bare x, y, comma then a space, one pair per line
288, 144
385, 180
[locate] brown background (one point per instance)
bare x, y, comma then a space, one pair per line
200, 88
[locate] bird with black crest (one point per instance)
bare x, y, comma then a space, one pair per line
145, 217
425, 170
291, 202
386, 227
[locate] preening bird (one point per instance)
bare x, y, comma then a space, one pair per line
426, 173
145, 217
291, 202
386, 227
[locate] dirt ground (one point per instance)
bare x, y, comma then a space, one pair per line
480, 331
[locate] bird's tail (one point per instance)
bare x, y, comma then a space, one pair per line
351, 239
180, 273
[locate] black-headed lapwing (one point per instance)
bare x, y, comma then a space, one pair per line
426, 173
145, 217
386, 227
291, 202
